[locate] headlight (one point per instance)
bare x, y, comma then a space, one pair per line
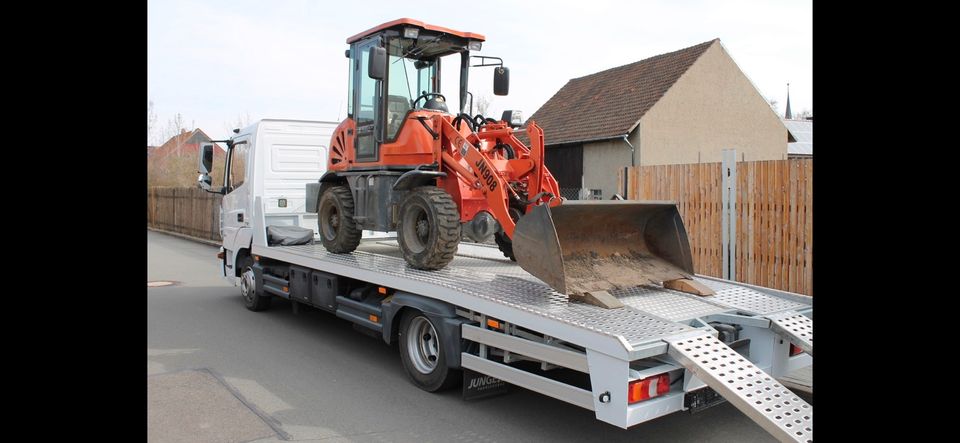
474, 45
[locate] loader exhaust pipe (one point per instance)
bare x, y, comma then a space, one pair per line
596, 245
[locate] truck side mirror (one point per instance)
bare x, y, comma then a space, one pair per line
205, 168
206, 158
501, 80
377, 67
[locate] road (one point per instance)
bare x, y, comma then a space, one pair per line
218, 372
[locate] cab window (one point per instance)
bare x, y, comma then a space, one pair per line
238, 165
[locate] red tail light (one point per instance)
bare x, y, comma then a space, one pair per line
795, 350
647, 388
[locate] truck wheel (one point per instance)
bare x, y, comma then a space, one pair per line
248, 287
429, 228
421, 350
338, 230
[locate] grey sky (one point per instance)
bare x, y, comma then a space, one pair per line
212, 60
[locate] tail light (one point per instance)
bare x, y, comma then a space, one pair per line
647, 388
795, 350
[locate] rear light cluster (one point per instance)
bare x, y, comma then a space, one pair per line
795, 350
647, 388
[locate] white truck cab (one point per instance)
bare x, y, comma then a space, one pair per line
273, 159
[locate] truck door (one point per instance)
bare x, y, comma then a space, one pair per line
235, 212
366, 98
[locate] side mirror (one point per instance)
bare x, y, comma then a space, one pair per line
206, 158
377, 67
205, 182
206, 167
501, 80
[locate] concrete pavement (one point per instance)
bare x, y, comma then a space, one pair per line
217, 369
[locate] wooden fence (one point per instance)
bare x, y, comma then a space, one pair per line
188, 211
774, 216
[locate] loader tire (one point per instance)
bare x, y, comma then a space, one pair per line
429, 228
505, 245
503, 242
339, 232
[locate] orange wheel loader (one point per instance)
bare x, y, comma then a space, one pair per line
403, 161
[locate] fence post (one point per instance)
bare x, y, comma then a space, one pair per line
728, 216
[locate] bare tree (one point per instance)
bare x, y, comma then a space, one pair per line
483, 104
151, 123
802, 115
773, 105
242, 121
176, 124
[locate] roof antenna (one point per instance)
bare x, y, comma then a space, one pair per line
788, 115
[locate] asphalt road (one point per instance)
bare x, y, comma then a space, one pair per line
217, 369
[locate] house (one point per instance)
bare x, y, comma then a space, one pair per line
174, 163
802, 131
685, 106
185, 143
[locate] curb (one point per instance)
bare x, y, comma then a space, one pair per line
186, 237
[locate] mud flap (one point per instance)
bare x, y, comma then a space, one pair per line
477, 385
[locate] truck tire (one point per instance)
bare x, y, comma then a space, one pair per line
429, 228
248, 287
338, 230
421, 350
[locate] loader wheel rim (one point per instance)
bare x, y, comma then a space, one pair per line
423, 347
417, 228
332, 216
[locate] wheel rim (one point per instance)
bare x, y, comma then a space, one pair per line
332, 218
423, 346
248, 284
416, 229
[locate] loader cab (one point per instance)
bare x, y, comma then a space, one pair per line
395, 70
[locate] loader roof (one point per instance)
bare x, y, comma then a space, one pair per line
609, 104
403, 22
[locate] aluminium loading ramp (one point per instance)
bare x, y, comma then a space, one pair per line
754, 392
796, 327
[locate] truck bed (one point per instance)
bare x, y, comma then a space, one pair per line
480, 278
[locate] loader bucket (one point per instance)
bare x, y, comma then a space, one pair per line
597, 245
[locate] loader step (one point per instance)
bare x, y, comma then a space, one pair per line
754, 392
793, 326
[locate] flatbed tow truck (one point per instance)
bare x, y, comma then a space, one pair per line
665, 351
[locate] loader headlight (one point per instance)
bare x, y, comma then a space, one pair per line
474, 45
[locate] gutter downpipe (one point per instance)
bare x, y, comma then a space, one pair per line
633, 162
633, 151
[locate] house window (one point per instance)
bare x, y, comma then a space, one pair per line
596, 194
